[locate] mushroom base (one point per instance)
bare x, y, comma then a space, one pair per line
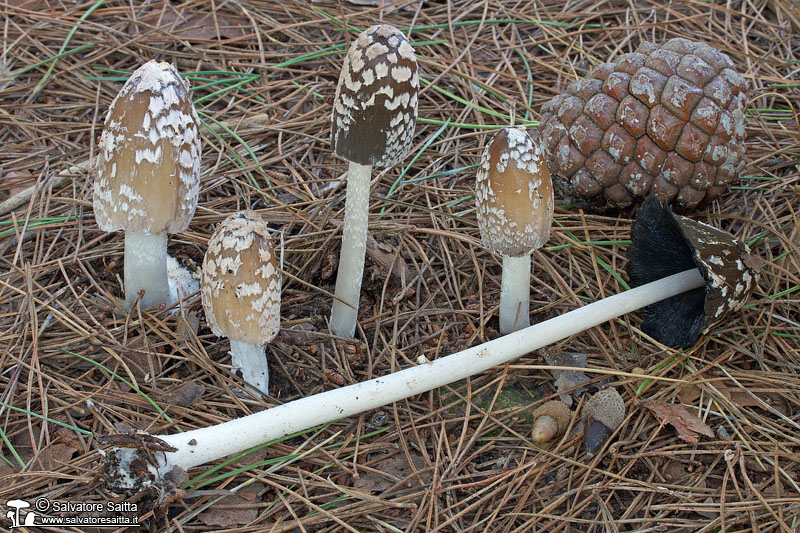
515, 290
146, 268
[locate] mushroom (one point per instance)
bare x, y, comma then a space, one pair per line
131, 469
373, 121
241, 292
602, 414
663, 244
148, 174
550, 420
514, 199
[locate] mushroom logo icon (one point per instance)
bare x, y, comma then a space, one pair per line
14, 516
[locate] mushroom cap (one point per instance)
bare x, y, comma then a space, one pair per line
602, 414
605, 406
555, 410
375, 108
665, 244
241, 285
148, 167
514, 195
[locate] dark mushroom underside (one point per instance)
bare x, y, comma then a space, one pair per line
664, 244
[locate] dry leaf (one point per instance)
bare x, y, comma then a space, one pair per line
567, 380
186, 394
6, 470
689, 394
688, 425
392, 471
192, 27
388, 260
17, 181
186, 329
53, 457
234, 510
143, 364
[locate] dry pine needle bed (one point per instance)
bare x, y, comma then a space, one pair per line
711, 436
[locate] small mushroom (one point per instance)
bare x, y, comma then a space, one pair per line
550, 420
602, 414
241, 292
514, 198
148, 174
374, 115
664, 244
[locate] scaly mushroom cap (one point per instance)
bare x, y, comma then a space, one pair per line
514, 195
241, 287
375, 109
602, 414
664, 244
550, 420
148, 168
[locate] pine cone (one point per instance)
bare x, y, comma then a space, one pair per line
667, 119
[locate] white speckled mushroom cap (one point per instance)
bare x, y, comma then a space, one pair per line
241, 286
148, 168
375, 108
664, 244
514, 195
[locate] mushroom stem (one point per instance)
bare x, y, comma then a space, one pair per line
207, 444
354, 245
252, 361
515, 289
146, 268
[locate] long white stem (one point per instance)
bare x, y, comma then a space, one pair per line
515, 293
354, 246
252, 361
146, 268
200, 446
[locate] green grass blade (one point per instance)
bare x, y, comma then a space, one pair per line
425, 146
46, 419
64, 45
126, 382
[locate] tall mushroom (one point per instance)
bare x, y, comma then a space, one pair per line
514, 198
241, 292
373, 121
148, 174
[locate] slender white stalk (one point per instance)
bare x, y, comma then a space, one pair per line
146, 268
252, 361
515, 293
354, 246
200, 446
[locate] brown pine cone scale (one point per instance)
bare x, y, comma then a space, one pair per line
666, 119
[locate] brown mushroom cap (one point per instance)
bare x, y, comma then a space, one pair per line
514, 195
148, 168
241, 288
559, 416
664, 244
375, 108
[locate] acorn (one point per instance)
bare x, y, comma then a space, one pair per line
602, 414
668, 119
550, 420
